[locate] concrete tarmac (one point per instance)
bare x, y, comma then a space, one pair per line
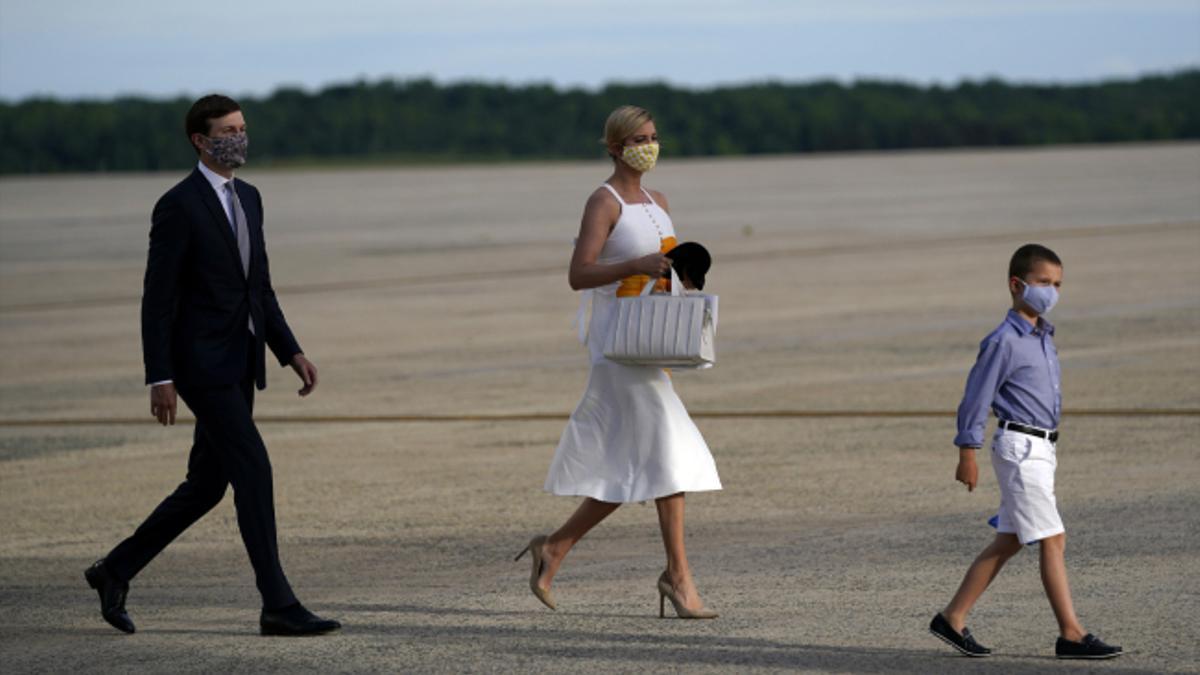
858, 282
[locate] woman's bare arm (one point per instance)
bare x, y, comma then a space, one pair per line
599, 216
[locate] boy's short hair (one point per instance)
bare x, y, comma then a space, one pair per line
205, 109
1023, 260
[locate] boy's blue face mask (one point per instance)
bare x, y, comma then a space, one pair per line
1040, 299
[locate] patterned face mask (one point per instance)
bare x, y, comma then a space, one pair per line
229, 151
641, 157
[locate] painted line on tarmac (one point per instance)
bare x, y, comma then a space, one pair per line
560, 416
911, 243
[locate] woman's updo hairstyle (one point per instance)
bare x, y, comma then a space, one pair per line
622, 123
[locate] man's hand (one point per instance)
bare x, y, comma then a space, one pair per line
163, 403
967, 473
307, 372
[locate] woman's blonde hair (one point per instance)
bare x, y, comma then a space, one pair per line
623, 122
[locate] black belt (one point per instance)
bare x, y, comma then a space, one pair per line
1051, 436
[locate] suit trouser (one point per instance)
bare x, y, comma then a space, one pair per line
227, 450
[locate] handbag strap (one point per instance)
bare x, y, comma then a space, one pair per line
710, 301
676, 285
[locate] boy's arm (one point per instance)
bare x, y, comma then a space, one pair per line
967, 472
983, 383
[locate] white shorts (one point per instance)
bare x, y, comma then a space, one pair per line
1025, 467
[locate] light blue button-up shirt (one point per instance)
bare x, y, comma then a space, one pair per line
1017, 375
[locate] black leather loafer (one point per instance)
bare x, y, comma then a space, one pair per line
964, 642
112, 596
295, 621
1090, 647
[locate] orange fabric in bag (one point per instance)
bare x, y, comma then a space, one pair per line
631, 286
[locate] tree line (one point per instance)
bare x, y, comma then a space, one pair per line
393, 121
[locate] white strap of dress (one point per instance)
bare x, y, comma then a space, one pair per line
647, 193
615, 194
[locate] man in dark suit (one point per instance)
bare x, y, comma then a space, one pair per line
208, 314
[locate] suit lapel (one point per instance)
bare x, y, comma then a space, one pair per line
219, 219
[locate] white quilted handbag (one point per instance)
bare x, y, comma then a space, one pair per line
667, 331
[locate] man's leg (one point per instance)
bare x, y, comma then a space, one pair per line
203, 489
235, 442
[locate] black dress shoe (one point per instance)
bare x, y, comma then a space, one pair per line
295, 621
963, 642
112, 595
1090, 647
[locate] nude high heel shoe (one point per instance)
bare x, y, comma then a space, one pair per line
667, 592
535, 550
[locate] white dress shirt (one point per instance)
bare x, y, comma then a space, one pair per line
217, 181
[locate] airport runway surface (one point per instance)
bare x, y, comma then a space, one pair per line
854, 291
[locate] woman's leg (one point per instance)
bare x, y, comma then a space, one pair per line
670, 520
588, 515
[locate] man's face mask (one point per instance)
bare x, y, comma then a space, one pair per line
228, 151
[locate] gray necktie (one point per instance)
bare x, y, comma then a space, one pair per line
239, 228
242, 233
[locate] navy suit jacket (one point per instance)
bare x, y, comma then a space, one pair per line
196, 300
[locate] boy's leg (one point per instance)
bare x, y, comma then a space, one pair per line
1054, 580
985, 568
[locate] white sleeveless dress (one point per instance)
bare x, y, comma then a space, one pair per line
630, 439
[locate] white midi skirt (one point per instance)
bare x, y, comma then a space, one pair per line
630, 440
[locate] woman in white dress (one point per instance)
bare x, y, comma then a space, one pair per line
630, 438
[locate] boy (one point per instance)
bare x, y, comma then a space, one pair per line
1017, 375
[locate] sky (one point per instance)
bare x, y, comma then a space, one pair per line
81, 49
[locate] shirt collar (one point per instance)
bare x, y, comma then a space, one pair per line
216, 180
1024, 328
1046, 325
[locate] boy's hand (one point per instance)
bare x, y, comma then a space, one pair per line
967, 472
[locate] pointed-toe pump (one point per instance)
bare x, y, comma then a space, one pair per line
667, 592
535, 551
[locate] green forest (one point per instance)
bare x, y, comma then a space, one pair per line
412, 121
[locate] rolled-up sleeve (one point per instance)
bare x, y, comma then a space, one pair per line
982, 385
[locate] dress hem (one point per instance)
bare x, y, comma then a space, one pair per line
629, 500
